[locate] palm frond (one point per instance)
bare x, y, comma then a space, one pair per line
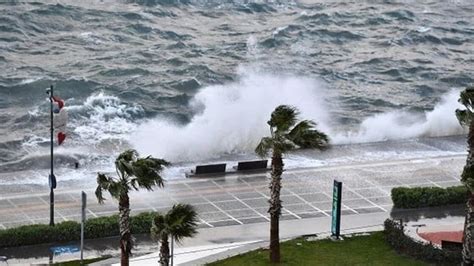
301, 129
158, 164
128, 155
305, 136
158, 228
124, 161
179, 222
281, 144
124, 168
148, 172
289, 136
463, 117
283, 118
118, 188
467, 98
264, 147
103, 183
182, 221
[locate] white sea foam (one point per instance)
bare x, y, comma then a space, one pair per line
30, 80
96, 130
441, 121
231, 118
252, 46
34, 112
103, 117
422, 29
91, 37
278, 30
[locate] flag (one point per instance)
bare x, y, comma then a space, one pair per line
60, 118
58, 104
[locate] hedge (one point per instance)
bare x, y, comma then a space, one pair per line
70, 230
403, 244
418, 197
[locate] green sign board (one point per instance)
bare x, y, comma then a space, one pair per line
336, 208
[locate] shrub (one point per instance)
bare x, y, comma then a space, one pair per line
40, 233
396, 238
66, 231
70, 230
25, 235
141, 223
102, 227
418, 197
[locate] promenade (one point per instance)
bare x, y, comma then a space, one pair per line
233, 208
242, 199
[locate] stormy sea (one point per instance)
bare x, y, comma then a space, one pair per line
195, 81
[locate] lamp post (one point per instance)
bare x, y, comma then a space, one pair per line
52, 179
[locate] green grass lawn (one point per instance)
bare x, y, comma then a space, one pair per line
359, 250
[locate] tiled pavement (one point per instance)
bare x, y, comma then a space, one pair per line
234, 200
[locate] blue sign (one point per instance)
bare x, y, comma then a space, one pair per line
64, 249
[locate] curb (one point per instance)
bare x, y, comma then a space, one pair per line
227, 254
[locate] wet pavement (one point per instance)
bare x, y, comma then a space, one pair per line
241, 201
93, 248
208, 240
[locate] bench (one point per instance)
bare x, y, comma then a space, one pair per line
252, 165
208, 169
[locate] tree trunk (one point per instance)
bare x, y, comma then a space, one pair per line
124, 225
467, 251
164, 251
275, 207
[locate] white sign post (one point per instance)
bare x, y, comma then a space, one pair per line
172, 250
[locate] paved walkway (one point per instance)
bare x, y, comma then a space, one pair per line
233, 209
229, 239
242, 199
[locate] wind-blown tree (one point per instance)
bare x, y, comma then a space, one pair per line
177, 223
466, 118
133, 173
287, 134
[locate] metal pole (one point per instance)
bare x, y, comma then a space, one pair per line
51, 193
172, 251
83, 220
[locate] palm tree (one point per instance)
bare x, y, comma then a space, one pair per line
287, 133
466, 118
179, 222
132, 173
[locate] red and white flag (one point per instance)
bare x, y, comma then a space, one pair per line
60, 118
